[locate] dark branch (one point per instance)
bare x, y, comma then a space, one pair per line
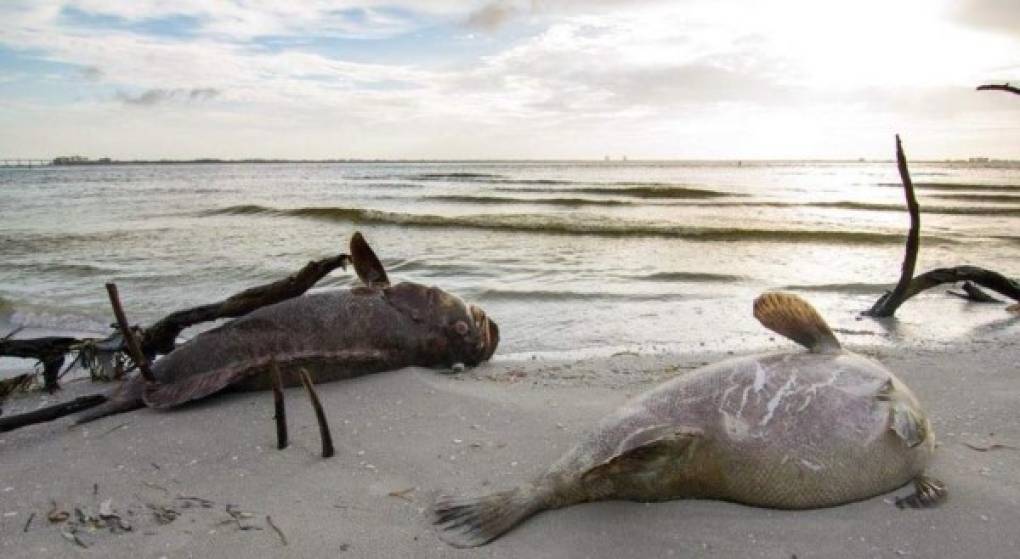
997, 87
50, 413
49, 351
161, 336
134, 349
888, 303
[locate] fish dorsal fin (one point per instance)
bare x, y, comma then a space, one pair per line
795, 318
366, 263
648, 449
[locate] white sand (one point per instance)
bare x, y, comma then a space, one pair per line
487, 429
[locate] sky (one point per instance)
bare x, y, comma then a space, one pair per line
508, 79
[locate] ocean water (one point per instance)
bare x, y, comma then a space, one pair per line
570, 258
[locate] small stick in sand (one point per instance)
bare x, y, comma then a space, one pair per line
28, 522
320, 416
129, 337
281, 409
279, 532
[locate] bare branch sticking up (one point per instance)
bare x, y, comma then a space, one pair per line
908, 286
280, 407
134, 350
888, 304
320, 415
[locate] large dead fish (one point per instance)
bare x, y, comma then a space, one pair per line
333, 335
786, 430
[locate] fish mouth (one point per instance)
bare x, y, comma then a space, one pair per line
488, 333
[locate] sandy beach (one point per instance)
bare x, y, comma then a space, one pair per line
402, 436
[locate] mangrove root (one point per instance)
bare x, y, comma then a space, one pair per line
908, 285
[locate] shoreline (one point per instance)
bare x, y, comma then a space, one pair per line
403, 435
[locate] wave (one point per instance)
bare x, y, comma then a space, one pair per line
853, 288
842, 205
56, 319
941, 210
79, 270
979, 197
570, 225
957, 186
490, 295
648, 190
690, 277
570, 202
454, 176
430, 269
392, 185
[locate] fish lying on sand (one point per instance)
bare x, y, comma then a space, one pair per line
790, 430
333, 335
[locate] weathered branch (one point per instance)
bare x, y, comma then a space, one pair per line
908, 286
49, 351
999, 87
134, 350
161, 336
974, 293
889, 302
49, 413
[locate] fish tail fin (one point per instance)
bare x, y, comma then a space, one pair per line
471, 522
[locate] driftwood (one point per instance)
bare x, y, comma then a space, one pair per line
49, 351
49, 413
908, 285
999, 87
160, 338
974, 293
134, 350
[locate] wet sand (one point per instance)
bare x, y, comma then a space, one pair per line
403, 435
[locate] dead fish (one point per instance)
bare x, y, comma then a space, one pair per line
333, 335
789, 430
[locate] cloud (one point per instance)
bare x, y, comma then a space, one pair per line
491, 16
997, 15
152, 97
92, 73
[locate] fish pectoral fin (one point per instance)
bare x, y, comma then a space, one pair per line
796, 319
648, 447
928, 492
165, 395
366, 264
907, 424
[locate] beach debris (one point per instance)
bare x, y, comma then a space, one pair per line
999, 87
993, 446
974, 294
320, 415
281, 410
56, 514
104, 357
403, 494
71, 535
188, 502
134, 348
239, 517
909, 285
369, 328
279, 532
28, 522
163, 514
14, 384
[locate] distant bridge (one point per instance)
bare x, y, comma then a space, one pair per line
8, 163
